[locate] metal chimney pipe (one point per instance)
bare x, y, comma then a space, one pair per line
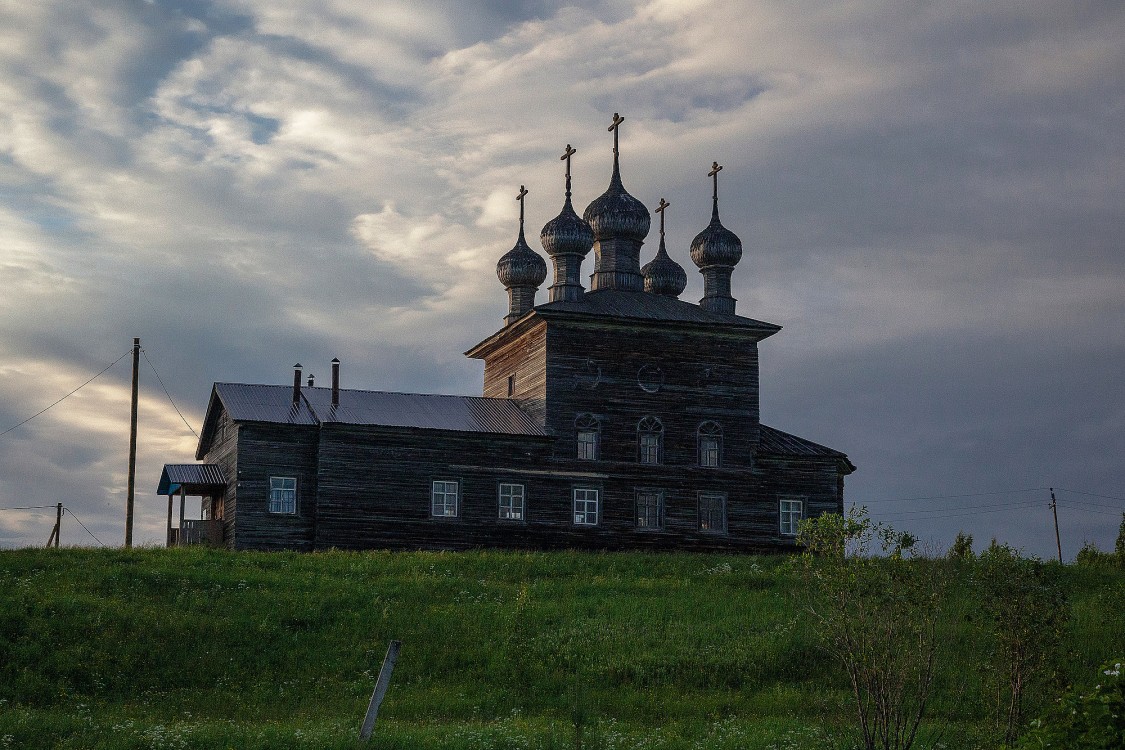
335, 382
311, 378
297, 384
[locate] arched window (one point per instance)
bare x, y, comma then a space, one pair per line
588, 429
710, 437
650, 440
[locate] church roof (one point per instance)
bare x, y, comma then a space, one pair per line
647, 306
774, 442
274, 404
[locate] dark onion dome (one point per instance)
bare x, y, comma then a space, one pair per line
521, 266
716, 245
615, 213
567, 233
664, 275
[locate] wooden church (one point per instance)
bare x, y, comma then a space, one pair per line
618, 417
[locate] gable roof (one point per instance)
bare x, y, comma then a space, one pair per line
774, 442
274, 404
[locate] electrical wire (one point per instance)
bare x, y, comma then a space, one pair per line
951, 497
79, 520
76, 390
1091, 494
30, 507
1020, 504
166, 393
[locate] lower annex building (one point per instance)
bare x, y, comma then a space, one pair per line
615, 418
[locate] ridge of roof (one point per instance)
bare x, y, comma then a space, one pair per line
773, 441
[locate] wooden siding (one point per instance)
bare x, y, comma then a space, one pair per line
524, 358
223, 450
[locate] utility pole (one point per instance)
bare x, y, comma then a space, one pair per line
132, 447
1055, 510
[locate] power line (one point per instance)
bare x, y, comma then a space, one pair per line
1091, 494
76, 390
1017, 504
166, 393
951, 497
959, 515
29, 507
76, 518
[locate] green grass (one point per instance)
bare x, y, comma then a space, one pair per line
205, 649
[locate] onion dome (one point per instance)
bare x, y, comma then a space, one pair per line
615, 213
567, 234
521, 266
716, 250
521, 271
662, 274
716, 245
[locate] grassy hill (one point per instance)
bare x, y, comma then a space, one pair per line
206, 649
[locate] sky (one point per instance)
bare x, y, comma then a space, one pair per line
929, 197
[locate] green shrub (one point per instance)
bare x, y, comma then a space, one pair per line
1084, 720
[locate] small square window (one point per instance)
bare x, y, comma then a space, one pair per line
283, 495
585, 506
650, 509
512, 501
713, 512
444, 500
791, 512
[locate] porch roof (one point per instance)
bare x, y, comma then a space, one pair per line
195, 479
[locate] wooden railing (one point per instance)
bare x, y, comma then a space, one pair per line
201, 532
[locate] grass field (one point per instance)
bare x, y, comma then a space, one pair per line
207, 649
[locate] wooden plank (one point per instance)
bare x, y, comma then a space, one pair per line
380, 691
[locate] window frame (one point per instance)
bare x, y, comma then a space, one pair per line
511, 517
587, 437
705, 524
658, 496
445, 493
281, 503
650, 428
782, 514
586, 500
712, 433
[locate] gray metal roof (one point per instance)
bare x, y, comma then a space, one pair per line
190, 476
776, 442
647, 306
274, 403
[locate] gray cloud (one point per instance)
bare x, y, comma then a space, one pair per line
928, 197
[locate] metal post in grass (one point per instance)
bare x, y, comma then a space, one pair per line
380, 689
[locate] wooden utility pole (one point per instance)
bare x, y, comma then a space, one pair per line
56, 532
1055, 510
380, 689
132, 447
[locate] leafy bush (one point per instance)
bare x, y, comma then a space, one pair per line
1090, 720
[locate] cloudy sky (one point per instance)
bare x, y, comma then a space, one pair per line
929, 196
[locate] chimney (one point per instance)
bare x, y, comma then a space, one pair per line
335, 382
297, 384
311, 378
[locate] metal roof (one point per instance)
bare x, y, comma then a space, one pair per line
647, 306
190, 476
274, 403
776, 442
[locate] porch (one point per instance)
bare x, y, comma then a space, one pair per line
205, 481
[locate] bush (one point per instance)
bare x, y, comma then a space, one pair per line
962, 548
1092, 720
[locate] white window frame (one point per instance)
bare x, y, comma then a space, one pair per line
587, 506
650, 501
283, 496
512, 501
707, 520
790, 511
588, 437
445, 498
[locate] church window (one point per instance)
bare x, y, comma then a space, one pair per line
283, 495
650, 438
512, 501
445, 498
588, 432
585, 506
713, 512
710, 444
791, 512
650, 509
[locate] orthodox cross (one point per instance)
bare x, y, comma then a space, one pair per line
569, 153
660, 210
617, 120
523, 192
714, 174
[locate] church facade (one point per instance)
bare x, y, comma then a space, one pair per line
618, 417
